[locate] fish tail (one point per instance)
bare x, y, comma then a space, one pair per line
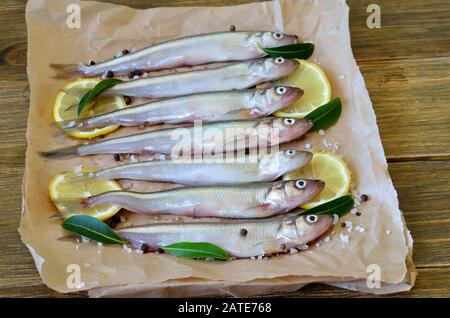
60, 153
65, 71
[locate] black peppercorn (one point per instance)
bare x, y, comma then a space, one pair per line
138, 72
91, 63
131, 74
358, 213
364, 197
109, 74
125, 52
243, 232
232, 28
343, 224
116, 157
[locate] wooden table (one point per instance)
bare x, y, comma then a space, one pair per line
406, 67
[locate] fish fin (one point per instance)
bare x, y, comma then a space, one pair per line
65, 71
60, 153
237, 115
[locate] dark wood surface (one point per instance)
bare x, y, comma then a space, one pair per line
406, 67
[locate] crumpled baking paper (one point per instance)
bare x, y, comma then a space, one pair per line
112, 271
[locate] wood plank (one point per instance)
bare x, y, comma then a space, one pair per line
410, 98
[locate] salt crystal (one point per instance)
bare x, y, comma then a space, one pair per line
134, 49
353, 211
85, 239
80, 285
99, 244
293, 251
78, 170
343, 237
133, 158
334, 232
317, 244
260, 257
253, 257
349, 226
361, 229
127, 248
118, 54
139, 251
388, 232
321, 132
342, 77
327, 239
335, 219
308, 146
103, 76
77, 247
135, 76
162, 157
90, 174
145, 74
304, 247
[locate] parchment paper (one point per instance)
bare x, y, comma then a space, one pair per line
111, 270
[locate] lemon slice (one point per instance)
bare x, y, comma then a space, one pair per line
67, 190
66, 106
317, 91
331, 169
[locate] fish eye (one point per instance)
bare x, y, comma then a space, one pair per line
312, 218
279, 60
281, 90
300, 184
290, 152
278, 35
289, 121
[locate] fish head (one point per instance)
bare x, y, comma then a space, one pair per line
287, 129
300, 191
310, 227
268, 100
292, 159
275, 39
278, 67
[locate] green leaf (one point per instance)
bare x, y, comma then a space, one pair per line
339, 206
100, 87
292, 51
326, 115
92, 228
197, 250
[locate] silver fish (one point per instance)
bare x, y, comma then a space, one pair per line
208, 107
241, 239
233, 170
253, 200
228, 77
209, 138
191, 50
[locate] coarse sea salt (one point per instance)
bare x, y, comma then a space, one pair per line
342, 77
133, 158
308, 146
293, 251
335, 219
127, 248
353, 211
304, 247
343, 237
135, 76
327, 239
321, 132
85, 240
388, 232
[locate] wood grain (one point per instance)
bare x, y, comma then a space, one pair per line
405, 65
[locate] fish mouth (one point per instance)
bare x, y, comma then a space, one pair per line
291, 96
301, 127
322, 225
315, 187
288, 67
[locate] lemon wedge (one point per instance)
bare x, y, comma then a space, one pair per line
312, 79
331, 169
66, 106
67, 190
